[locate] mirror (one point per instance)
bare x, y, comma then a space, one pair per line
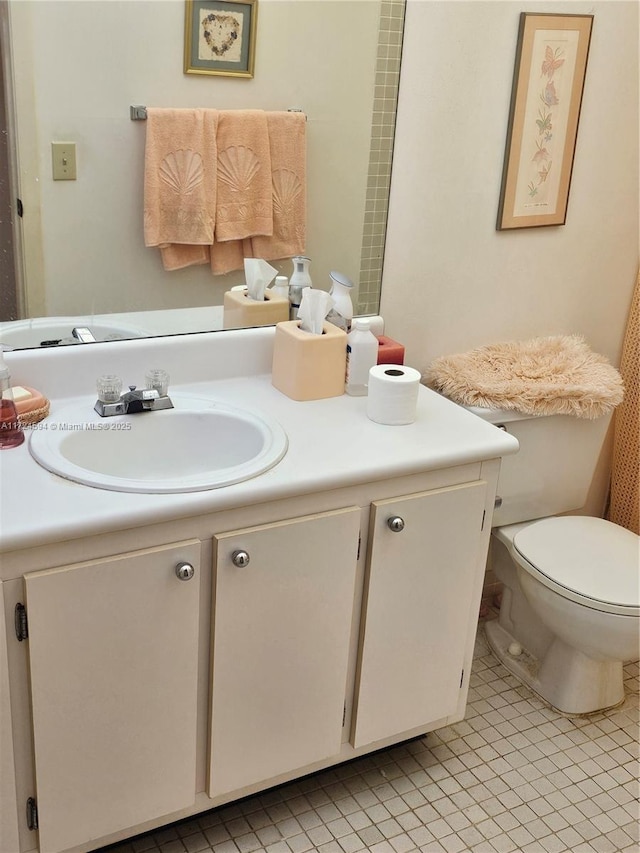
72, 71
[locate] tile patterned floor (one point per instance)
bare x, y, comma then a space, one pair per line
513, 776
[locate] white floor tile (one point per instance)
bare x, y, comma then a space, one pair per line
513, 777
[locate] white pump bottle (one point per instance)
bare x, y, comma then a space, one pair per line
362, 355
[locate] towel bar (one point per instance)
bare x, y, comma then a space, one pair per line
139, 113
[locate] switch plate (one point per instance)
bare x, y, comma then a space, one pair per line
64, 161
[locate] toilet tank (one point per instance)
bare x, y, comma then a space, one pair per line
554, 468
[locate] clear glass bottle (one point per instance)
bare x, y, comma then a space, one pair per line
362, 355
297, 283
11, 434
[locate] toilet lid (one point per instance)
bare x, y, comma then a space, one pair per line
589, 560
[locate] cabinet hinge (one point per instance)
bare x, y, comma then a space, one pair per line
461, 678
344, 713
359, 543
484, 513
19, 207
32, 814
22, 627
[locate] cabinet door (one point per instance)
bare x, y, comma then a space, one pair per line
417, 609
281, 645
113, 647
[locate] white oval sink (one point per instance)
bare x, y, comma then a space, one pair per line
197, 445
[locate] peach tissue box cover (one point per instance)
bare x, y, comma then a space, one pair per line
307, 366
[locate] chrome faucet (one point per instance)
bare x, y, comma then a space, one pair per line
83, 335
133, 401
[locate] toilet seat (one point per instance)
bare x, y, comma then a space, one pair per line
587, 560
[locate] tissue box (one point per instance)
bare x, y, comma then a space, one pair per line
240, 312
306, 366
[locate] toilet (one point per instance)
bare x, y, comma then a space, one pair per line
570, 610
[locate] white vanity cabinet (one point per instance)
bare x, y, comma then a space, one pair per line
113, 650
283, 605
316, 628
419, 590
137, 698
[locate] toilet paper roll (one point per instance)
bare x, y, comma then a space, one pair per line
392, 396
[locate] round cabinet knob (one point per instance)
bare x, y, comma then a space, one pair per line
395, 524
185, 571
240, 559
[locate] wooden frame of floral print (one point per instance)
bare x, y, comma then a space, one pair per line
220, 37
548, 81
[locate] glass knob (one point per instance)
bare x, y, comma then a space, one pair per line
158, 380
109, 388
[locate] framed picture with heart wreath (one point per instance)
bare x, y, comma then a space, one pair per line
220, 37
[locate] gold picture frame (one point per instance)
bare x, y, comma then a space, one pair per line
548, 82
220, 37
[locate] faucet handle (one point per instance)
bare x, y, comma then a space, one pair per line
158, 379
109, 388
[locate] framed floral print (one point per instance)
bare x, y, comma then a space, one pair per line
548, 82
220, 37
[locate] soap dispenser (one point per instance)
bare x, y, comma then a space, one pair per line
297, 283
11, 434
341, 314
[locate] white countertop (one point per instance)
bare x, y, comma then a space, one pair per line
332, 444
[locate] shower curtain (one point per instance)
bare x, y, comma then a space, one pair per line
624, 506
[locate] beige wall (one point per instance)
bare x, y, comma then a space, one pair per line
79, 64
451, 281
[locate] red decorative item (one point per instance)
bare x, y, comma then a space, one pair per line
389, 351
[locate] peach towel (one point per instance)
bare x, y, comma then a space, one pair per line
287, 141
244, 206
180, 184
177, 256
229, 256
222, 186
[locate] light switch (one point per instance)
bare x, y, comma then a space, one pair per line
64, 161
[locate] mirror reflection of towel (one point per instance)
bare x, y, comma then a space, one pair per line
287, 144
222, 186
287, 140
180, 184
244, 205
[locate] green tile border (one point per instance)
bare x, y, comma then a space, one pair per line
390, 32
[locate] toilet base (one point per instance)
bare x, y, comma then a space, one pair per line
566, 679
